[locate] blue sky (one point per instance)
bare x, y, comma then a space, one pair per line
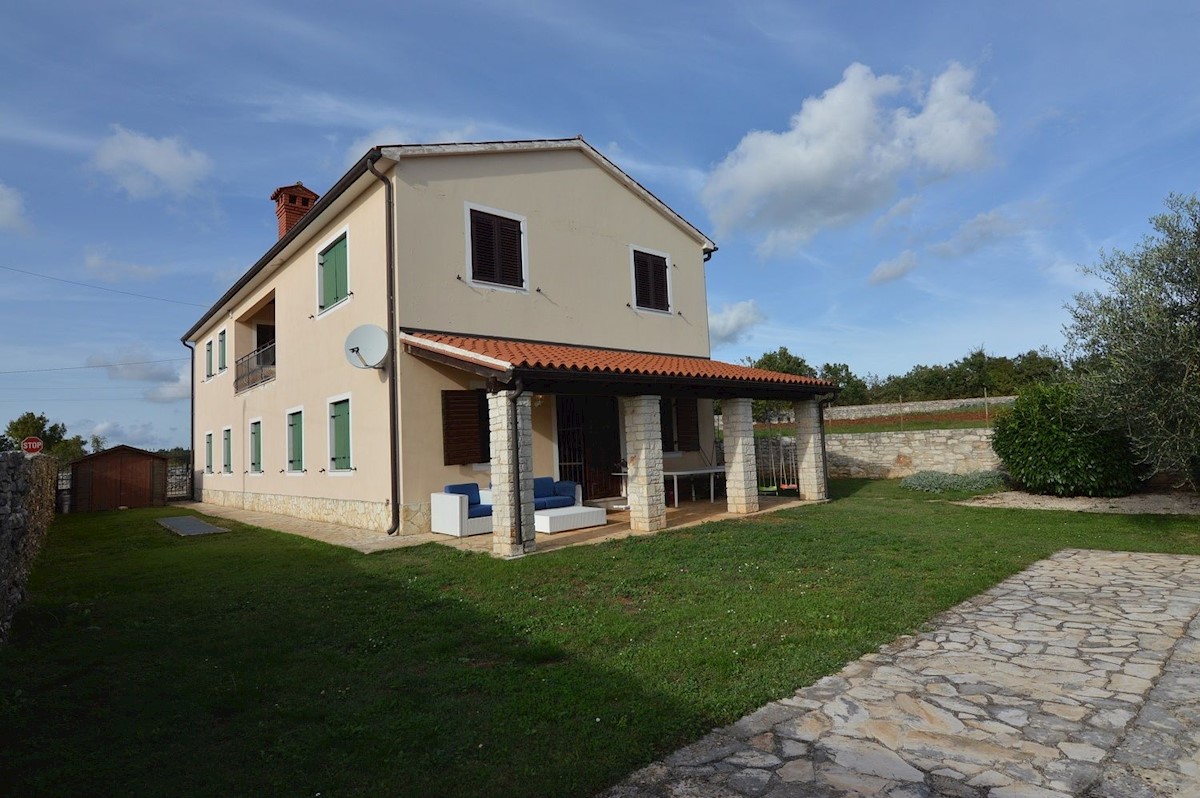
889, 184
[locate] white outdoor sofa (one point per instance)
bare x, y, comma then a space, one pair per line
465, 509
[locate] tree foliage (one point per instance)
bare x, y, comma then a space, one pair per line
1051, 445
54, 436
784, 361
1137, 342
852, 390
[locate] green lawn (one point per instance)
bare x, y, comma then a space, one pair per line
260, 663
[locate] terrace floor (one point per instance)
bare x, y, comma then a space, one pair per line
368, 541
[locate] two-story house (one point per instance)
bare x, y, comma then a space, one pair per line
542, 313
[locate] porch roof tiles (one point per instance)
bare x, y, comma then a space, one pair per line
566, 359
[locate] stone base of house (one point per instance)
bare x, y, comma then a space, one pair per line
414, 518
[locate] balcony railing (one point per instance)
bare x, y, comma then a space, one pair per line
255, 368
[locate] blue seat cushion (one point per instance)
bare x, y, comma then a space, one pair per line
478, 510
543, 487
565, 488
548, 502
468, 489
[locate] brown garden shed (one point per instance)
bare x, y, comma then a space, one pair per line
118, 477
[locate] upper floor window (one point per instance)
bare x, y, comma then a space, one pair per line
208, 361
221, 351
497, 254
332, 275
651, 281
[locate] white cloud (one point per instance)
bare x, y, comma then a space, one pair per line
845, 155
141, 369
896, 215
976, 233
167, 392
101, 267
731, 323
148, 167
895, 268
12, 210
139, 435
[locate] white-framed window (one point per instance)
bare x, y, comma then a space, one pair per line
208, 453
227, 450
340, 436
497, 249
294, 448
333, 271
650, 273
255, 443
208, 359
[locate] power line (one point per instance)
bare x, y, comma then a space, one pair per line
102, 288
97, 366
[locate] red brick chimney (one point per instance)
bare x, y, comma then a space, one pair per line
291, 203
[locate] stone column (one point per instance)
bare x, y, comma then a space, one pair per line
741, 469
810, 452
643, 454
507, 540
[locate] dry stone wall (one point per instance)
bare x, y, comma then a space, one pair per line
891, 455
26, 510
906, 408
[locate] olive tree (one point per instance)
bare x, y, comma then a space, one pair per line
1136, 343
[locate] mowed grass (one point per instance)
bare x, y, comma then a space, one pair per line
260, 663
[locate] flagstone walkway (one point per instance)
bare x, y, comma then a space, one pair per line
1079, 676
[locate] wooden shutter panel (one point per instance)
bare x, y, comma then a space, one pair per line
666, 419
208, 464
256, 447
465, 428
339, 420
650, 281
334, 285
687, 424
483, 248
508, 252
296, 440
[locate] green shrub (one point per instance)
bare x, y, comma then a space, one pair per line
1048, 445
937, 482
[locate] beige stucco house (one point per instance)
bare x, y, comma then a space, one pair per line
542, 314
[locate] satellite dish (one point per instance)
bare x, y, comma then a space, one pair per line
366, 347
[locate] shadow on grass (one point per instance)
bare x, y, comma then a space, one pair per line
254, 663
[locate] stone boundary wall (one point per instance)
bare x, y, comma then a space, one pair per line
899, 408
891, 455
26, 509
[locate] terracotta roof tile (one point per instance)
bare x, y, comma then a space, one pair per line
586, 359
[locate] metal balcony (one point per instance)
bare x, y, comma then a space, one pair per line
255, 368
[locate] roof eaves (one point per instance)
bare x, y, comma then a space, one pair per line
354, 173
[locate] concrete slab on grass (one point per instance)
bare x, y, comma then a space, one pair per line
190, 525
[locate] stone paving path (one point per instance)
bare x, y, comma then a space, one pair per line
1079, 676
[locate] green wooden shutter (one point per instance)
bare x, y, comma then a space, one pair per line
221, 351
296, 441
227, 451
208, 453
334, 279
208, 372
339, 431
256, 447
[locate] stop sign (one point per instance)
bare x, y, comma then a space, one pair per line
31, 445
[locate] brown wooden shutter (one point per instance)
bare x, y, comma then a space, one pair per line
465, 432
496, 249
666, 420
650, 281
687, 424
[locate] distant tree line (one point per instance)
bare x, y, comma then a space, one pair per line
63, 447
971, 376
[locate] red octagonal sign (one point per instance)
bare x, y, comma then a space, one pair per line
31, 445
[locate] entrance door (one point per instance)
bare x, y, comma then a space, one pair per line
589, 446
